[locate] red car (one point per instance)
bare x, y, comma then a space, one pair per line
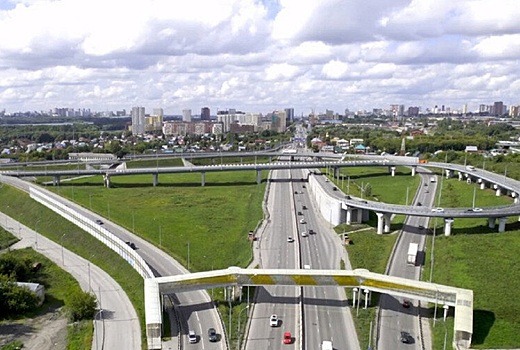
287, 338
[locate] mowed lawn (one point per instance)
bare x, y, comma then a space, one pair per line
481, 259
209, 223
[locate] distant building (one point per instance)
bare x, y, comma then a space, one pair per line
154, 122
289, 113
498, 108
138, 120
186, 115
205, 113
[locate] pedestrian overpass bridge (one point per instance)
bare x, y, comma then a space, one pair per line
364, 280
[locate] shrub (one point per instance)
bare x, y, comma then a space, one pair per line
82, 306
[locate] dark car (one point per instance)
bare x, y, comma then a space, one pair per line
334, 188
407, 303
419, 204
99, 222
300, 213
406, 338
304, 207
212, 335
131, 245
311, 232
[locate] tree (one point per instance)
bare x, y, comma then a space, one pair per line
15, 299
82, 306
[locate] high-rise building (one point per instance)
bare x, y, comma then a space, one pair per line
498, 108
186, 115
205, 113
138, 120
465, 109
289, 112
278, 119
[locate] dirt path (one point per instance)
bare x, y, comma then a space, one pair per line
45, 332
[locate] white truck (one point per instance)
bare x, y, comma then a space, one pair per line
326, 345
432, 179
413, 248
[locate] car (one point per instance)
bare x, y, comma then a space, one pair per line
326, 180
290, 239
406, 338
334, 188
302, 221
304, 207
99, 222
437, 210
295, 192
303, 186
419, 204
131, 245
287, 338
311, 232
300, 213
273, 320
407, 303
304, 234
212, 335
426, 191
421, 227
348, 197
477, 209
192, 337
307, 267
425, 184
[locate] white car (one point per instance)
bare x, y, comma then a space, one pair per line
273, 320
302, 221
290, 239
192, 337
437, 210
304, 234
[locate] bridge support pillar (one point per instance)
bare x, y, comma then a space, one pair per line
414, 169
447, 226
56, 181
335, 172
482, 185
360, 215
380, 223
387, 220
392, 170
502, 224
367, 294
106, 180
491, 222
270, 159
155, 179
448, 173
348, 219
259, 177
203, 178
461, 176
498, 191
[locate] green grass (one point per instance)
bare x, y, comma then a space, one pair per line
211, 222
154, 162
59, 286
6, 239
481, 259
32, 214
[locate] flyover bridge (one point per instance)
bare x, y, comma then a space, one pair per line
360, 279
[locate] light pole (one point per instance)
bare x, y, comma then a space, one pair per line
89, 286
474, 196
239, 335
433, 246
62, 255
505, 171
188, 255
90, 200
407, 191
160, 236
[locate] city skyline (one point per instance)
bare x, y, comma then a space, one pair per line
258, 55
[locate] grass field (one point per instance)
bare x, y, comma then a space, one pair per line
479, 258
210, 223
6, 239
20, 206
59, 287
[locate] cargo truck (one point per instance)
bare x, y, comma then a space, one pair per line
412, 253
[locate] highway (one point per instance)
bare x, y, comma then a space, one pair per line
195, 309
326, 315
394, 318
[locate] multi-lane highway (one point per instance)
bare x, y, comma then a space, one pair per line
310, 314
396, 316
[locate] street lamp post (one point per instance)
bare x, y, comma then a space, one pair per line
188, 255
474, 196
90, 200
407, 191
89, 286
62, 255
433, 246
160, 236
239, 335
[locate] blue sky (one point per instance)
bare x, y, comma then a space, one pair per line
258, 55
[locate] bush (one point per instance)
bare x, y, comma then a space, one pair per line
82, 306
20, 269
14, 299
